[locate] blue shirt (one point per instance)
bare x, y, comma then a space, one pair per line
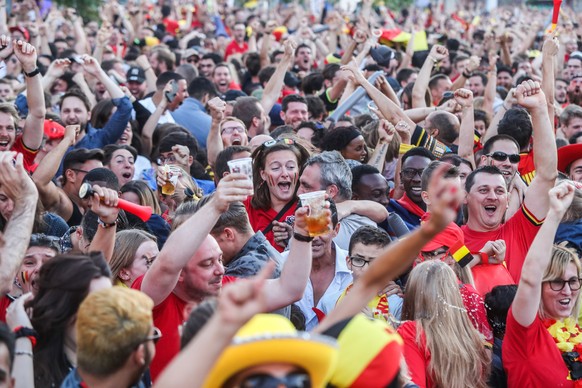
112, 131
192, 116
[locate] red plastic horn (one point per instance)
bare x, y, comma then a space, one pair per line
142, 212
556, 14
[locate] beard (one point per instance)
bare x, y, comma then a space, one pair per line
575, 96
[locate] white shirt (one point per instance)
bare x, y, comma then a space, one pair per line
341, 279
166, 117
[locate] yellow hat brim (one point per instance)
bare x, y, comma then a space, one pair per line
315, 354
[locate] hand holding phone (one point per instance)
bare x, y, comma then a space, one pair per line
171, 95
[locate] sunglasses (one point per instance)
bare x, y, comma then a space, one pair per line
502, 157
263, 380
192, 60
270, 143
155, 337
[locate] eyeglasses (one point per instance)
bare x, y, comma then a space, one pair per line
263, 380
192, 60
502, 157
230, 130
155, 337
359, 262
79, 170
410, 173
559, 284
166, 159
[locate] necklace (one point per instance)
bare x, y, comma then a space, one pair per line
568, 338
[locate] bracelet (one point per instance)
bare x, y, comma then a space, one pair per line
26, 332
23, 353
504, 107
32, 73
467, 75
106, 225
302, 238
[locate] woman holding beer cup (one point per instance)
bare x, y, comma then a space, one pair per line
277, 165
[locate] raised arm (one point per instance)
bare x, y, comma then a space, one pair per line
437, 54
464, 97
387, 107
527, 300
399, 256
104, 204
491, 87
149, 127
53, 198
19, 188
162, 277
386, 133
550, 50
33, 128
289, 287
530, 96
214, 141
149, 72
273, 87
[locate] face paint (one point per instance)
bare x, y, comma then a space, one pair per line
24, 276
294, 179
271, 181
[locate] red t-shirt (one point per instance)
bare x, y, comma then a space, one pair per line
260, 219
518, 233
526, 167
531, 357
417, 356
168, 316
172, 26
234, 48
28, 154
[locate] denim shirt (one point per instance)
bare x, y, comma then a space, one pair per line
112, 131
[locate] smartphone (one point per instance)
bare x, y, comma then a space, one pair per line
171, 95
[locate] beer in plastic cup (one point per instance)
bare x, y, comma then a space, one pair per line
243, 165
169, 188
317, 223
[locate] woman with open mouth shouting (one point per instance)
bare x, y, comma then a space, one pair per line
277, 165
543, 342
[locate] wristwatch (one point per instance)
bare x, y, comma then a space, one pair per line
32, 73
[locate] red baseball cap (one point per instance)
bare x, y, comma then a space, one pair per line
53, 130
568, 155
22, 30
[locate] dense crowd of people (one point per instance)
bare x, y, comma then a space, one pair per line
159, 176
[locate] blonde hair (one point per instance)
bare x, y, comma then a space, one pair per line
228, 119
111, 323
561, 258
433, 300
127, 242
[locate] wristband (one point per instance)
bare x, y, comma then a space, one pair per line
302, 238
32, 73
23, 353
106, 225
30, 333
467, 75
483, 256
